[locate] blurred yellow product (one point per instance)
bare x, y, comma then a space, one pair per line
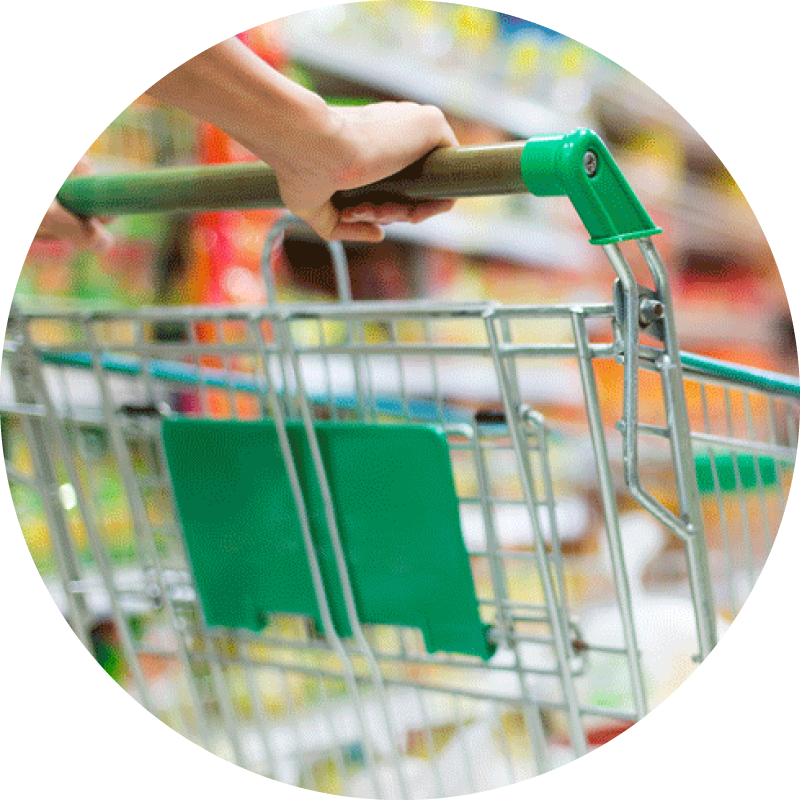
475, 25
34, 531
377, 9
572, 59
525, 58
661, 148
374, 333
422, 9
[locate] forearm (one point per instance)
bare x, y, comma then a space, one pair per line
314, 149
232, 88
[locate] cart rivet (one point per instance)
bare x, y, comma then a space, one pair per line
650, 310
590, 163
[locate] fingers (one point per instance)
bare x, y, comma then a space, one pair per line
382, 214
328, 224
59, 224
386, 213
363, 223
424, 211
383, 138
442, 134
357, 232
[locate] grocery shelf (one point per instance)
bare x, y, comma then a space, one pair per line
705, 216
710, 220
459, 92
517, 240
499, 237
631, 103
699, 328
547, 384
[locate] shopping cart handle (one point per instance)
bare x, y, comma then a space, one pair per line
577, 165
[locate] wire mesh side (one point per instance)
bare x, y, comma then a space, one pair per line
279, 702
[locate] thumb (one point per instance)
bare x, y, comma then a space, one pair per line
323, 220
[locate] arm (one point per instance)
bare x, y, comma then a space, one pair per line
315, 150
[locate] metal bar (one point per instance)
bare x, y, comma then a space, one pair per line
556, 613
723, 515
342, 571
683, 458
447, 173
178, 621
496, 566
610, 513
379, 309
57, 441
144, 535
67, 563
602, 712
334, 642
733, 444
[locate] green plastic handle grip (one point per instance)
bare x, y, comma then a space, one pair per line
577, 165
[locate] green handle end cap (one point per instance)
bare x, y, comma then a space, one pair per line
578, 165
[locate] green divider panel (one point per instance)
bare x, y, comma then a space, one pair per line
396, 510
751, 470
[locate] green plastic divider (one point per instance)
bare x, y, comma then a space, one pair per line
397, 515
753, 472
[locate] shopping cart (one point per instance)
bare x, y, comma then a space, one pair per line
332, 541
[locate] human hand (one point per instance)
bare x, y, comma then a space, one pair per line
357, 146
60, 225
316, 150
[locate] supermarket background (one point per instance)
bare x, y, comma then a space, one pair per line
511, 249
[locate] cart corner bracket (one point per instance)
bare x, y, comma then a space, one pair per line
578, 165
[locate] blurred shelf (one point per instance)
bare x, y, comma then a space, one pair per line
516, 240
707, 219
456, 91
712, 220
628, 104
459, 380
700, 325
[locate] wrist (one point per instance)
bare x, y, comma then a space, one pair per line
329, 150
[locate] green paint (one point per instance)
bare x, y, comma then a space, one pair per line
746, 472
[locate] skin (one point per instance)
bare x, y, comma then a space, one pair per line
315, 149
59, 225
